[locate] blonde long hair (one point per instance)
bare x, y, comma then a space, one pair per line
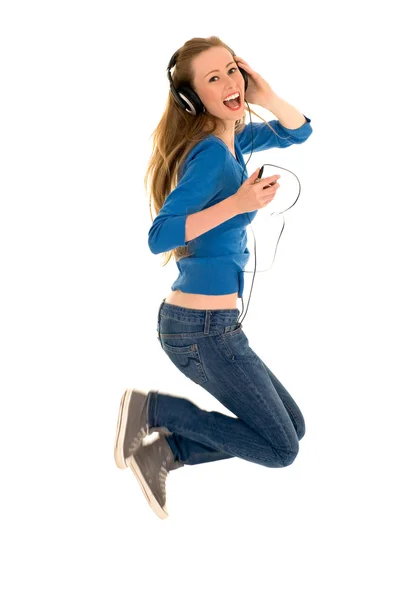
178, 131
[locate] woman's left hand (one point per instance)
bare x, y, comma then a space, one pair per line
258, 90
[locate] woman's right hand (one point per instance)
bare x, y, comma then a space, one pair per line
252, 196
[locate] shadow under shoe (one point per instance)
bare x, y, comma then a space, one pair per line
151, 464
132, 425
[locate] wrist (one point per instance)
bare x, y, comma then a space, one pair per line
234, 203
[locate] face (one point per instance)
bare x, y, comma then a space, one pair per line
213, 88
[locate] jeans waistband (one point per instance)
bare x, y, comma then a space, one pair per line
222, 316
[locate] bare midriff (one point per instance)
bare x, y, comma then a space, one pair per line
202, 301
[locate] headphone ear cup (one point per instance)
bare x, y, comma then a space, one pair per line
189, 100
245, 77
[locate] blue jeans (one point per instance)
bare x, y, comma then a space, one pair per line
210, 348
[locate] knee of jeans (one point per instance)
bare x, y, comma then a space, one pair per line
301, 431
289, 457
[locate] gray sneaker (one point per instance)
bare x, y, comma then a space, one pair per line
132, 425
151, 464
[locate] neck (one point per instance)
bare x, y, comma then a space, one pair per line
227, 134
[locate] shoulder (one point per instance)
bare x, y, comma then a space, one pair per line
209, 145
208, 152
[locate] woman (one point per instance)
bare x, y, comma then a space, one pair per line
201, 203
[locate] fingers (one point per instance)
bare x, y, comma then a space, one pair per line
274, 183
268, 180
272, 189
268, 197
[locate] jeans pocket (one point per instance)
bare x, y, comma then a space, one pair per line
187, 360
235, 344
231, 328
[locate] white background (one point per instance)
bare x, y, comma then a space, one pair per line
83, 87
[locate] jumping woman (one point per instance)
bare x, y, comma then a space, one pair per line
203, 209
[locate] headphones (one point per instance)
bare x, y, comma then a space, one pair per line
186, 97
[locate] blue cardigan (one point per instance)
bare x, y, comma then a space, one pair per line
209, 174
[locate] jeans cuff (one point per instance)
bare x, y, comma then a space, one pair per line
151, 408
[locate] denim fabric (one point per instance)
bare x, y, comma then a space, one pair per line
210, 348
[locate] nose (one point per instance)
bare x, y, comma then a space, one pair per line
230, 86
230, 90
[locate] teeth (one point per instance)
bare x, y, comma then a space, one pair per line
232, 96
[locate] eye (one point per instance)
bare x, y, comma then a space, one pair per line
231, 69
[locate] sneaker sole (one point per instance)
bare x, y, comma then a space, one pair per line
151, 499
121, 427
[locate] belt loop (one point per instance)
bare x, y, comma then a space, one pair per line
207, 322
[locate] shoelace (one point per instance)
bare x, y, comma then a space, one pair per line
162, 477
138, 439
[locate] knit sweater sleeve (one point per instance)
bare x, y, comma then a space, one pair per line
202, 179
261, 137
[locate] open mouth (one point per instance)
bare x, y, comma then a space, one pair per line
234, 103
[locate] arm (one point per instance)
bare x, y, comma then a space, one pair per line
264, 137
202, 180
200, 222
289, 117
